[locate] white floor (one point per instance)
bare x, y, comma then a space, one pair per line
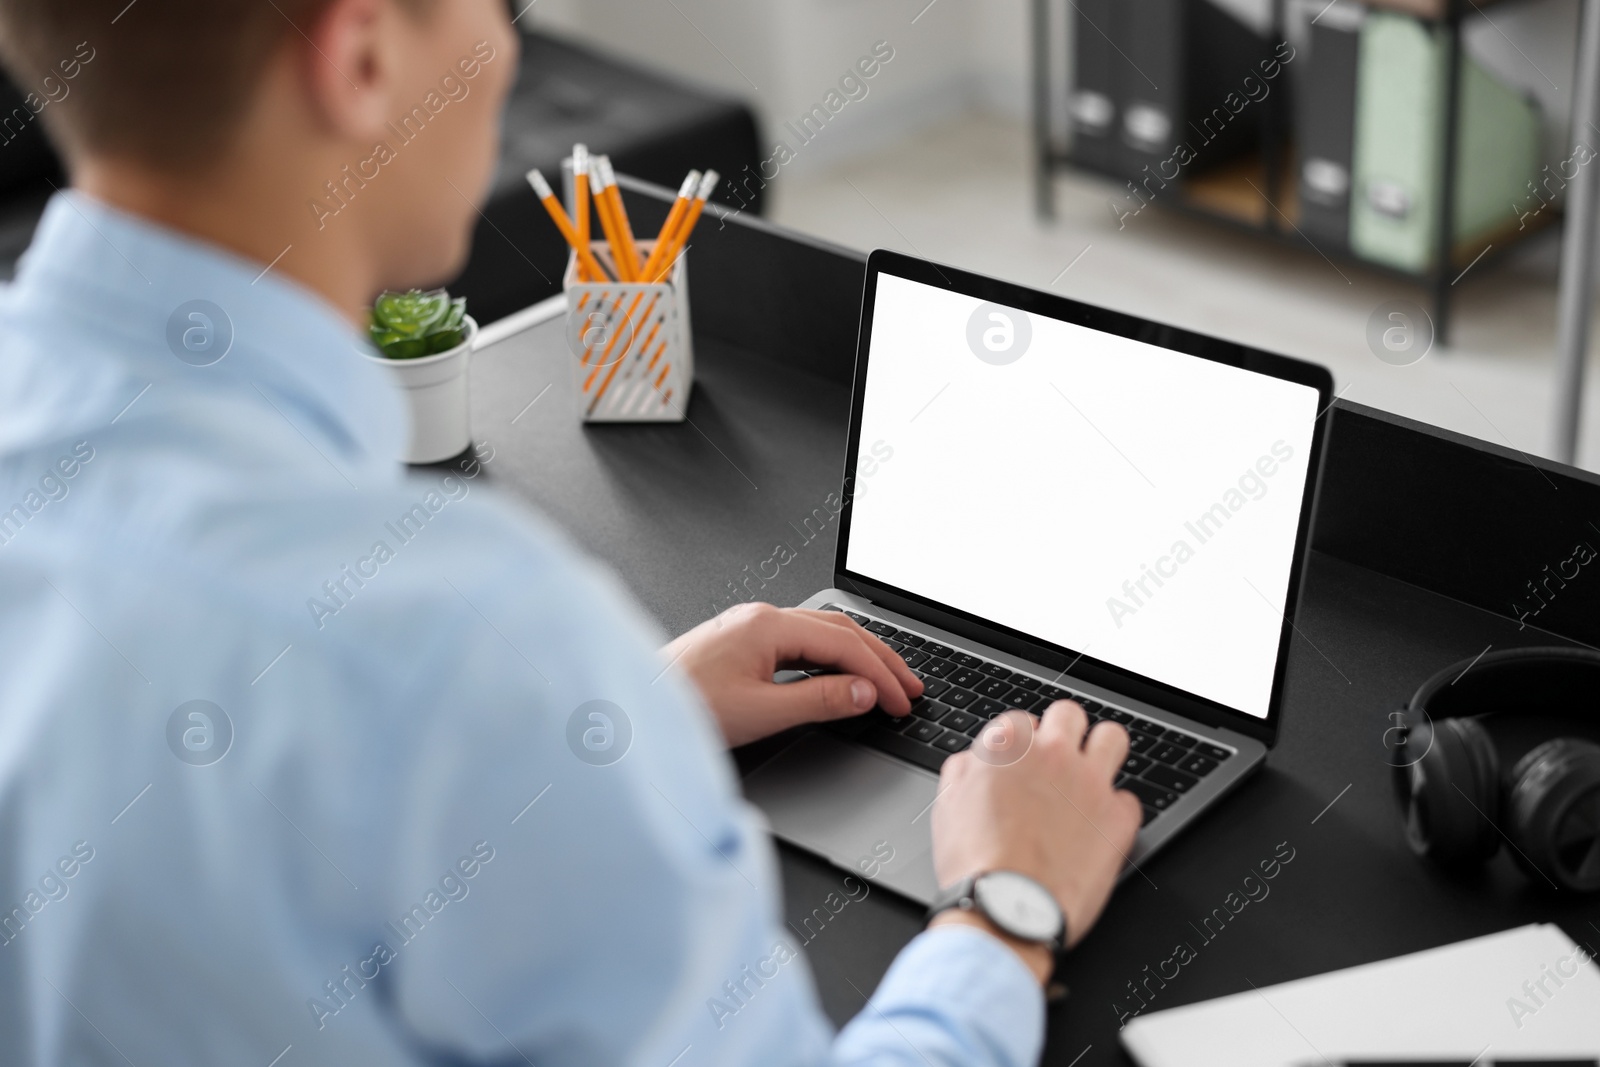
960, 193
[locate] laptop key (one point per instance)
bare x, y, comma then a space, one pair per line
1055, 692
914, 657
1093, 707
952, 742
924, 756
1216, 752
862, 619
962, 722
1119, 715
986, 707
994, 670
922, 730
966, 659
1136, 764
1178, 737
882, 629
1168, 753
1021, 698
914, 640
1170, 778
894, 722
1154, 796
1199, 766
959, 698
967, 678
939, 668
993, 687
1145, 726
892, 643
939, 650
932, 710
932, 687
1024, 682
1140, 743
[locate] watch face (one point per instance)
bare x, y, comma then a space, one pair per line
1019, 905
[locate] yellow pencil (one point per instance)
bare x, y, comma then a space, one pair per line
608, 221
680, 239
558, 214
680, 207
629, 249
580, 198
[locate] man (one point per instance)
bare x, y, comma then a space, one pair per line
233, 830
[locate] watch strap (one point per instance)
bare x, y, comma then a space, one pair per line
958, 895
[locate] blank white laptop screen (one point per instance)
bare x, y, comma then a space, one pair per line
1127, 502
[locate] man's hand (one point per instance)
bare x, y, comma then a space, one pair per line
1038, 800
733, 657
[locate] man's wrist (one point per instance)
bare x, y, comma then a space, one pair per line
1036, 957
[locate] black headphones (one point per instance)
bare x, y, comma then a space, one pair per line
1464, 724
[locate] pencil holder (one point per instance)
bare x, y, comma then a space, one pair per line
630, 342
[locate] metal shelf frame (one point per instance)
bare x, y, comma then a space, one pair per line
1050, 157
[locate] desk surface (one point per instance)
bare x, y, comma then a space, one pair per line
680, 511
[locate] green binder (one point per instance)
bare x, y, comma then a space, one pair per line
1400, 93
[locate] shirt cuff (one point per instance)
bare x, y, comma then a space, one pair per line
955, 991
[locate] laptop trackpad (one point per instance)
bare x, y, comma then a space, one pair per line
858, 809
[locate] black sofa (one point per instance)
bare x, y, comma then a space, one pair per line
653, 127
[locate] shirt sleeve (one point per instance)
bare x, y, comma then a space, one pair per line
954, 995
627, 910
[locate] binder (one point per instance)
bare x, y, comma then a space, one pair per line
1398, 150
1325, 118
1184, 59
1092, 107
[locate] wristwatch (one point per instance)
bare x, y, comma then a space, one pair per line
1017, 905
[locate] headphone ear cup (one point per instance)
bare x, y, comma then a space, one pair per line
1452, 796
1553, 813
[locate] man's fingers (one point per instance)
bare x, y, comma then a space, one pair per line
891, 659
820, 699
800, 636
1066, 719
1107, 747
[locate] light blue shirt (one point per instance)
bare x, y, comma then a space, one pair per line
300, 755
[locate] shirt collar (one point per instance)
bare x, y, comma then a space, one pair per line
288, 346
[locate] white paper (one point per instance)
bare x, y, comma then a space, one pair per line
1475, 998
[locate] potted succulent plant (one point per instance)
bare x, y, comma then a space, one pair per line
425, 339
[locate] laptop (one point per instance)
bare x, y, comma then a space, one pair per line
1047, 500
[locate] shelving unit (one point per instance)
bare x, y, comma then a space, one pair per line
1252, 195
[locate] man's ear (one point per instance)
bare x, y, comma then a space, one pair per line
351, 62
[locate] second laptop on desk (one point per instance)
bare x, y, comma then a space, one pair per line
1045, 500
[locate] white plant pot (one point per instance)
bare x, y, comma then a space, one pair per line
437, 395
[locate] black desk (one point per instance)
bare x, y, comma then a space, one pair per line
1422, 541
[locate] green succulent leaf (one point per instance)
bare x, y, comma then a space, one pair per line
445, 340
415, 324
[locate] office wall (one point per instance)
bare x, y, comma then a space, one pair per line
784, 55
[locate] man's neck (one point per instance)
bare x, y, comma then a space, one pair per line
248, 216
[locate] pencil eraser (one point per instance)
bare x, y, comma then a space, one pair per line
541, 188
708, 184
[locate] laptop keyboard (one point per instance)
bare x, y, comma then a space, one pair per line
963, 692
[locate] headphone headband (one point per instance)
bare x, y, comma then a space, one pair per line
1551, 677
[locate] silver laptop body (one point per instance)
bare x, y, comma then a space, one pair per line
860, 793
